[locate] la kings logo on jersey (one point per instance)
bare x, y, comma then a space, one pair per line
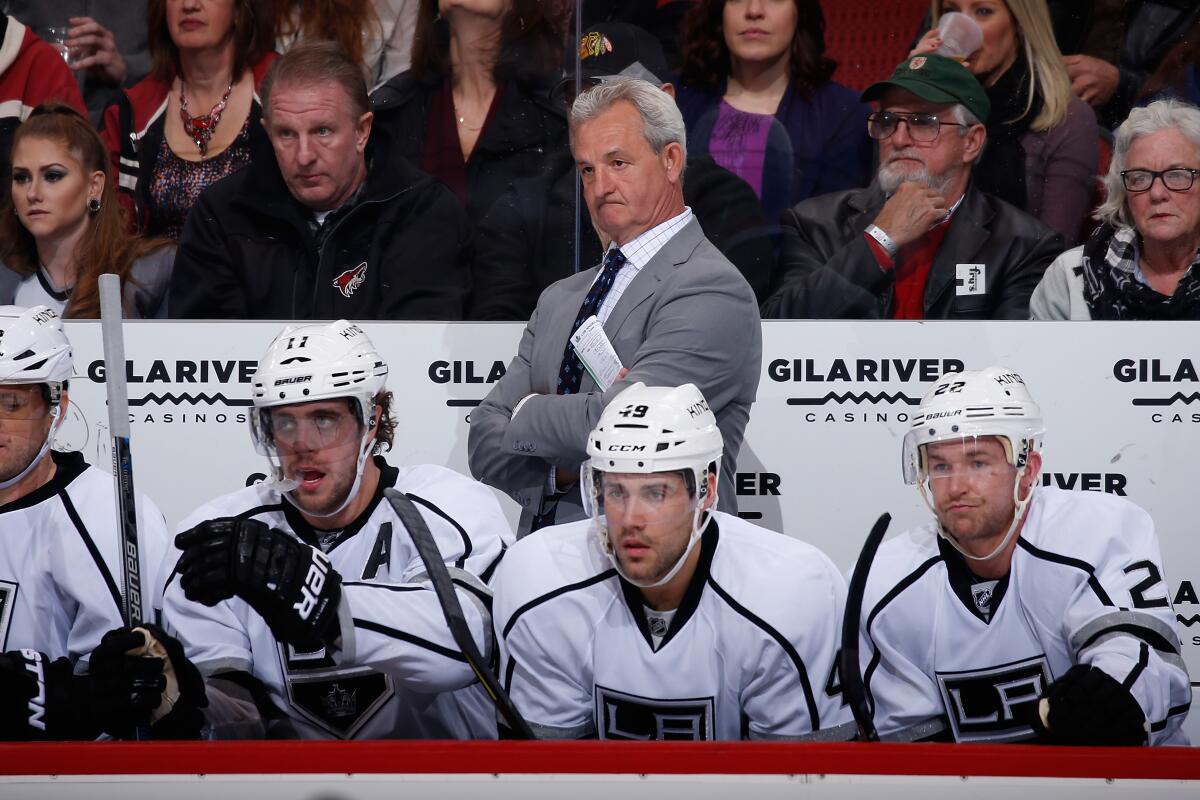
994, 704
8, 598
628, 716
340, 701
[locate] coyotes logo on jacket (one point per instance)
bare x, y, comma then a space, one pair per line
349, 281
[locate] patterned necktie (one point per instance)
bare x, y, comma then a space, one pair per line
571, 371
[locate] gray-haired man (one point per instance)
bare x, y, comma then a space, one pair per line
675, 309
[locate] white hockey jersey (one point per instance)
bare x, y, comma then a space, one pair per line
1086, 587
399, 673
61, 584
746, 654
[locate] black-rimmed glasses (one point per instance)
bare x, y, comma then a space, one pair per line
1177, 179
921, 127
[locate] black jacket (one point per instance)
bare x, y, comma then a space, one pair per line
828, 271
527, 240
248, 250
525, 130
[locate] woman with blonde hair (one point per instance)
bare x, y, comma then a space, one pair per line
1035, 120
63, 227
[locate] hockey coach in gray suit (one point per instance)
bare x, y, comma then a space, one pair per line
674, 308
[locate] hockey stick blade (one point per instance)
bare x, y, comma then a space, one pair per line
452, 610
848, 665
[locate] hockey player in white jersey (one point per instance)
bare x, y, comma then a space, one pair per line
1020, 612
60, 605
659, 617
303, 599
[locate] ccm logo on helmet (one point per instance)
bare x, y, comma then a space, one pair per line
626, 448
293, 379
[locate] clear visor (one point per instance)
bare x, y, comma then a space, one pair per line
973, 459
300, 429
23, 402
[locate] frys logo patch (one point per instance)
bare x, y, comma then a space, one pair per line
348, 282
594, 44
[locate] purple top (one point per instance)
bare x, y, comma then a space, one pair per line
739, 143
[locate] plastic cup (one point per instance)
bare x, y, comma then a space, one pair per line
960, 34
56, 37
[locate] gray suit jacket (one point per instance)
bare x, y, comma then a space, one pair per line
688, 317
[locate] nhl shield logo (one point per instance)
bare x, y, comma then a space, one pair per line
349, 281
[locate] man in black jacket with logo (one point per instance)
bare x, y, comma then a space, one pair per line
331, 224
921, 242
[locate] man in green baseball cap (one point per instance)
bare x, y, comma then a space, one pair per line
920, 242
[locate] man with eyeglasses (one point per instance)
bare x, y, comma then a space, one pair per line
921, 242
303, 599
1019, 612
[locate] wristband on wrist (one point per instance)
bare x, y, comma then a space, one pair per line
879, 235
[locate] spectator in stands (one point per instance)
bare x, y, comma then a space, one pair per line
1122, 44
1035, 120
673, 307
922, 242
31, 72
61, 226
527, 240
756, 94
376, 33
195, 118
1141, 263
1179, 73
108, 45
331, 224
474, 110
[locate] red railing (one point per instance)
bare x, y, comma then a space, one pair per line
664, 758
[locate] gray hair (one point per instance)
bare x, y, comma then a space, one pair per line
1158, 116
662, 123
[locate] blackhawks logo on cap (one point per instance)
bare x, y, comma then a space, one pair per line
594, 44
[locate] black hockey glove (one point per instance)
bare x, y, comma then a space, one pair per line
139, 680
293, 586
1089, 707
41, 699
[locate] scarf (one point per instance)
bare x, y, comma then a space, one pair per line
1112, 290
1001, 170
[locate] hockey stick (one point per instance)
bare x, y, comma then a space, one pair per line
852, 679
452, 610
118, 426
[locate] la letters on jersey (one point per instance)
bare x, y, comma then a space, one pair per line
338, 700
996, 703
628, 716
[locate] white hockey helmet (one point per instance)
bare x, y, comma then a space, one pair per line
34, 350
988, 402
648, 429
968, 405
325, 361
33, 347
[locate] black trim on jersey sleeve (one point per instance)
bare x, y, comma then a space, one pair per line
962, 579
636, 602
1155, 727
895, 592
508, 674
571, 587
490, 570
1147, 635
466, 540
368, 625
308, 534
1067, 561
92, 549
67, 467
813, 715
1139, 667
